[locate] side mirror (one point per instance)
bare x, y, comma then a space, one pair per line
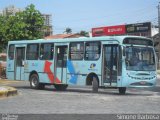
124, 51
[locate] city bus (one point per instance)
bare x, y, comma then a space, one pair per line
101, 62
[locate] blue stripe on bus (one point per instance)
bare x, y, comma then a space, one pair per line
74, 75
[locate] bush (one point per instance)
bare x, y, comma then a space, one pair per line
2, 72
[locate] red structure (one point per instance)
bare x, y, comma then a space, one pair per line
138, 29
109, 30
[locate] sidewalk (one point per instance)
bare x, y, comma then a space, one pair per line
6, 91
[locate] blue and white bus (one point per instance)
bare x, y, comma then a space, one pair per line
112, 61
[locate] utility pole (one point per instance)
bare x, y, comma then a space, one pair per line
159, 18
159, 34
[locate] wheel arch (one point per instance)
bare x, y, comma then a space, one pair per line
89, 78
33, 72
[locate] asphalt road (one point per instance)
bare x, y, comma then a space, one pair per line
80, 100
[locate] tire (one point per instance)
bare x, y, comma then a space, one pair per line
34, 82
60, 87
122, 90
95, 84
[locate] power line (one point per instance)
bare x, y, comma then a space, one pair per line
137, 15
120, 13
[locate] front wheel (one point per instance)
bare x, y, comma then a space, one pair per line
122, 90
34, 82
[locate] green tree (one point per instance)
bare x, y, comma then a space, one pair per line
34, 22
68, 30
23, 26
84, 33
3, 29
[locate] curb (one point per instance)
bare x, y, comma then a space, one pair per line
6, 91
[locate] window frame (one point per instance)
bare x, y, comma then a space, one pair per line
99, 52
76, 51
52, 46
9, 52
27, 57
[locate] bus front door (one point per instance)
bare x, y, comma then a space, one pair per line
61, 63
110, 65
19, 63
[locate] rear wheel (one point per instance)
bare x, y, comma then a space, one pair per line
60, 87
34, 82
122, 90
95, 84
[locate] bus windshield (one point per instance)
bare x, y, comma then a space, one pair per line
140, 58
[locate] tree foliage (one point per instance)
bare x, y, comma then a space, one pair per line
68, 30
84, 33
25, 25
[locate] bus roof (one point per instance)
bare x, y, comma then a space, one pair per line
102, 38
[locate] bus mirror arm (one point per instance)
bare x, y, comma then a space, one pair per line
124, 51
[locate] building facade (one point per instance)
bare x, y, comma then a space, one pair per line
11, 10
156, 39
48, 23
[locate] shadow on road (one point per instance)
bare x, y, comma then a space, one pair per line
87, 90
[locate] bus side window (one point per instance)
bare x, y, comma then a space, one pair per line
76, 51
92, 50
46, 51
32, 51
11, 52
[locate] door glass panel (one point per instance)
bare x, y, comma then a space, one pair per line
11, 52
115, 63
19, 66
61, 63
62, 57
110, 63
20, 56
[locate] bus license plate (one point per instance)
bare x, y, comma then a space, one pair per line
143, 82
